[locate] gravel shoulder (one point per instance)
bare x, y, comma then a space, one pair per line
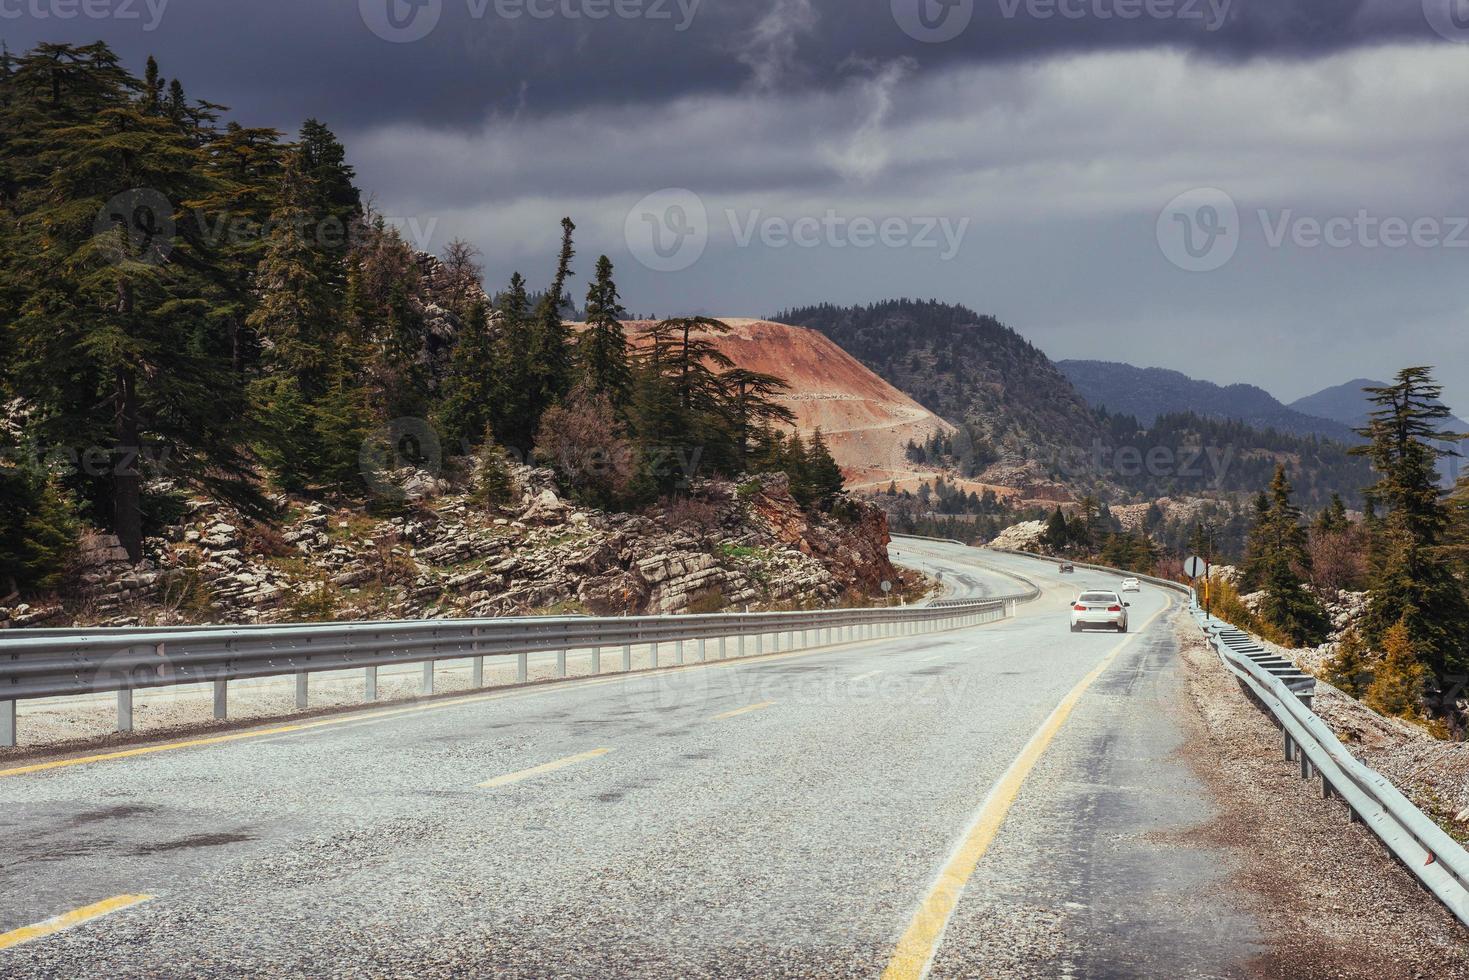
1330, 898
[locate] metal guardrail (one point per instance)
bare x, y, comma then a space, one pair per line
1031, 591
1287, 693
124, 661
1420, 844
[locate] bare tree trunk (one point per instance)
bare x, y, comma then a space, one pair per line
127, 479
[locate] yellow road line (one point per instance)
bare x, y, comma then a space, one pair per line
516, 777
915, 950
743, 711
73, 918
356, 717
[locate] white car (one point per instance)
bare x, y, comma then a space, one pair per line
1131, 585
1099, 609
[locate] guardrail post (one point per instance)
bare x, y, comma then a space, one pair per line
561, 663
125, 711
522, 668
596, 660
428, 677
1290, 745
477, 665
221, 699
723, 646
678, 652
654, 646
7, 725
369, 680
301, 690
759, 643
627, 657
703, 650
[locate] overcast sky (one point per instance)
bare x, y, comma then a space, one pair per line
1270, 191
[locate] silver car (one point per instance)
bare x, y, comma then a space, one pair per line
1099, 609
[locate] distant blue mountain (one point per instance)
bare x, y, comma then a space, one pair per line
1347, 404
1146, 393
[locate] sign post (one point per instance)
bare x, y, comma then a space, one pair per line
1197, 568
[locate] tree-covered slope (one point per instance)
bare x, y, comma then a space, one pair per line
968, 368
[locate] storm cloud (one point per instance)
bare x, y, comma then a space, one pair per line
819, 138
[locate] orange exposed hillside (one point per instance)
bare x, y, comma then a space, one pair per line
867, 422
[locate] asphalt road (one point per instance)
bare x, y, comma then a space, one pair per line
976, 801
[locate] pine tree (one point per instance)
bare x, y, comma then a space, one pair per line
1333, 519
602, 349
493, 485
1258, 546
1281, 562
1413, 582
246, 169
38, 527
1400, 682
299, 308
516, 421
335, 203
342, 421
118, 314
1058, 535
550, 373
467, 408
1349, 670
797, 466
751, 407
823, 474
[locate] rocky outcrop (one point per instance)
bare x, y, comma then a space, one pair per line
730, 546
1026, 536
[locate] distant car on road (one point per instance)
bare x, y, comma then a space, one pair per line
1067, 568
1103, 609
1131, 585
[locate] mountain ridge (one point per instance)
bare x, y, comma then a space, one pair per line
1147, 393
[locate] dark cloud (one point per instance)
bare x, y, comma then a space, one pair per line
278, 61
